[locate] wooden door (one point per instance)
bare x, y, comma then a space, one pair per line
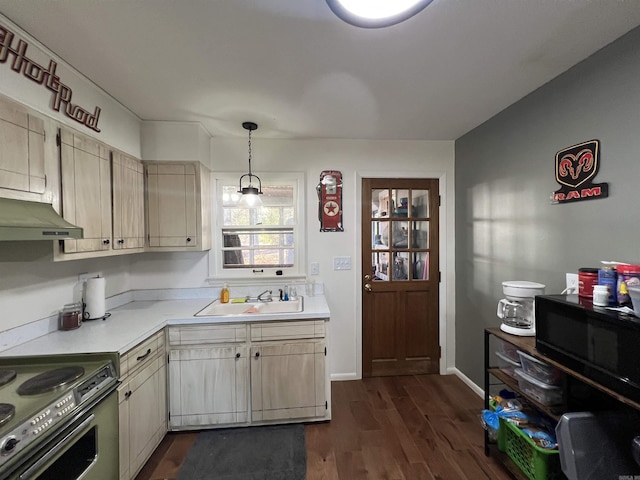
400, 276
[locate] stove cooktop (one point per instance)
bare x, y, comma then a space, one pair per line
41, 392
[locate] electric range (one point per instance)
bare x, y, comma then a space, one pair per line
42, 396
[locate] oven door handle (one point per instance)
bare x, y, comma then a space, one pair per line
57, 448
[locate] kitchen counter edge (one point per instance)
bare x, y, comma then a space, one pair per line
132, 323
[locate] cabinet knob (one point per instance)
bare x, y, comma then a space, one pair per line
237, 355
188, 239
106, 241
257, 354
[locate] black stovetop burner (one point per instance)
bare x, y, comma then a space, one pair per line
50, 380
6, 376
7, 411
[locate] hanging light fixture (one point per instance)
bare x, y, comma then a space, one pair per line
376, 13
250, 194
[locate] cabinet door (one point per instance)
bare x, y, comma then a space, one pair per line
146, 413
172, 205
21, 149
288, 380
86, 191
123, 421
208, 386
127, 178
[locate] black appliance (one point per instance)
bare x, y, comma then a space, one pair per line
598, 343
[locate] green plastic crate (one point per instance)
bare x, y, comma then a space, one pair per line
537, 463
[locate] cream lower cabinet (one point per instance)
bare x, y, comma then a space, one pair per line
208, 376
217, 375
288, 371
142, 404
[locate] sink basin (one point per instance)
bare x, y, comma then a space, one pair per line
217, 309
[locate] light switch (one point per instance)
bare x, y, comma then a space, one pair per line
315, 268
342, 263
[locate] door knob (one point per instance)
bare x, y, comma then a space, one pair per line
367, 287
367, 277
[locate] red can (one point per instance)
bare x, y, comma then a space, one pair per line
587, 278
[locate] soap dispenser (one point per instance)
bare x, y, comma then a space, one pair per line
224, 294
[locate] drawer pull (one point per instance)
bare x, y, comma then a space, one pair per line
257, 354
237, 355
142, 357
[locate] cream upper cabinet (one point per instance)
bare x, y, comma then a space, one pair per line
102, 191
127, 175
86, 191
22, 138
178, 206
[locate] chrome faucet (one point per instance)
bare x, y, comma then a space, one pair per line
267, 299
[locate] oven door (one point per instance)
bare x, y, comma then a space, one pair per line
87, 449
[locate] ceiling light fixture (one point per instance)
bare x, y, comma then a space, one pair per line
376, 13
250, 193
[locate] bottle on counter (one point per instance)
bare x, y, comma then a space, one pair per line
224, 294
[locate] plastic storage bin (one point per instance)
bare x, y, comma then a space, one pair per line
540, 370
543, 393
535, 462
506, 365
508, 350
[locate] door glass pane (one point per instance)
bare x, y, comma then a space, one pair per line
400, 203
379, 235
420, 266
420, 234
380, 266
420, 203
380, 203
400, 266
400, 234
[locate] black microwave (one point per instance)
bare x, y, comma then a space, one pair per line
601, 344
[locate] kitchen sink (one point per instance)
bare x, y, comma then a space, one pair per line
217, 309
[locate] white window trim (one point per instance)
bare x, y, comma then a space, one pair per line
216, 273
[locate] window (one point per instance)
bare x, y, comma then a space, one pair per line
257, 241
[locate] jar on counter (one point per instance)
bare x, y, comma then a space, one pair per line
71, 316
627, 275
601, 295
608, 276
587, 278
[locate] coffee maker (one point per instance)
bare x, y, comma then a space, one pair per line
517, 309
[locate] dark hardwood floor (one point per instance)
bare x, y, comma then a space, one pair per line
412, 428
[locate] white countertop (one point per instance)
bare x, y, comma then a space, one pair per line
133, 322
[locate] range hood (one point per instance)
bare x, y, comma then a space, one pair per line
25, 220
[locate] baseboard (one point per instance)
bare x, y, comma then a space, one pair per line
479, 391
341, 377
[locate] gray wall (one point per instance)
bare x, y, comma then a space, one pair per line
506, 226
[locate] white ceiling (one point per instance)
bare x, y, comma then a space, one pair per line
300, 72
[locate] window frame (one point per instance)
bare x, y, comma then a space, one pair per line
216, 257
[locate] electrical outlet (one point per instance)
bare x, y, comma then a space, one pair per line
572, 282
315, 268
342, 263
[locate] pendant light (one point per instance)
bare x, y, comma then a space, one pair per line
376, 13
250, 194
